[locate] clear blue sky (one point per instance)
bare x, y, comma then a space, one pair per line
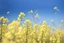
45, 8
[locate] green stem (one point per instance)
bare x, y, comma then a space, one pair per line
27, 35
1, 33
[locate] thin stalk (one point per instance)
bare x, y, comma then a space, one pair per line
1, 33
27, 35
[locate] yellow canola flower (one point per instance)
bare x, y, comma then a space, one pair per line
21, 14
44, 38
37, 15
31, 34
57, 31
44, 22
5, 40
1, 18
0, 30
4, 26
62, 21
51, 38
15, 22
14, 25
58, 41
19, 34
18, 41
24, 30
8, 35
41, 34
12, 31
12, 42
20, 28
44, 26
5, 20
19, 19
28, 22
31, 11
35, 26
54, 39
11, 28
56, 8
52, 20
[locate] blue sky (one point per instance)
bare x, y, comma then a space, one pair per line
45, 9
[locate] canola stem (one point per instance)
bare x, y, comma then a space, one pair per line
1, 33
27, 35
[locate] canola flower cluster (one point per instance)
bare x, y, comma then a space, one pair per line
14, 32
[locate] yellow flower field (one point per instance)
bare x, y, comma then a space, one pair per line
28, 32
